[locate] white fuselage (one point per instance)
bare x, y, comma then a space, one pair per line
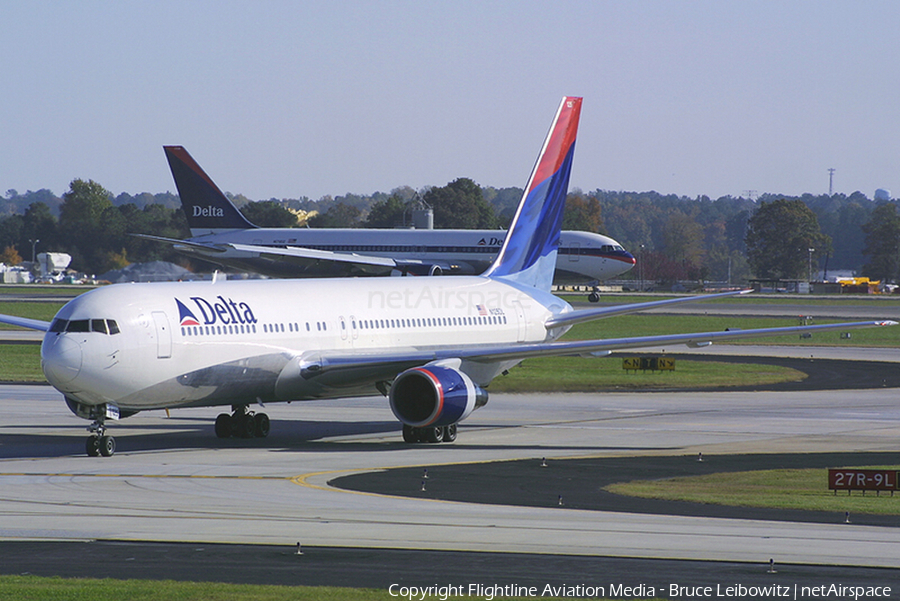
582, 256
242, 342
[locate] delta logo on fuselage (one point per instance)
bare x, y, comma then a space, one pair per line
492, 242
217, 311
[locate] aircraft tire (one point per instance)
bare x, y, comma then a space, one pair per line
223, 425
593, 297
450, 433
92, 446
261, 425
433, 434
107, 446
245, 426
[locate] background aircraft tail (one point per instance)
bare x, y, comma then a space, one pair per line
206, 208
528, 255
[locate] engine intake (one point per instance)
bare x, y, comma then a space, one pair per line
435, 395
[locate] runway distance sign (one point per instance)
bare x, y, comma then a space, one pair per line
856, 479
648, 363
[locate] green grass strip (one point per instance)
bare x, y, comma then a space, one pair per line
35, 588
578, 374
21, 363
653, 325
615, 298
42, 311
805, 489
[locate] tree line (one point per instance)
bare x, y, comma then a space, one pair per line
673, 237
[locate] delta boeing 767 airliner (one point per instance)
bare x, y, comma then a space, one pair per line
431, 345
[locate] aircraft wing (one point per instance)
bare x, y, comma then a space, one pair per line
191, 245
312, 254
24, 322
578, 316
693, 340
344, 369
347, 264
350, 264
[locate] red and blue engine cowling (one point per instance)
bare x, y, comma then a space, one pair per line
434, 395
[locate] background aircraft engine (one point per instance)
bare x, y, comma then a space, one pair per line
434, 395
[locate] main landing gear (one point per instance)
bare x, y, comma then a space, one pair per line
99, 443
429, 434
242, 424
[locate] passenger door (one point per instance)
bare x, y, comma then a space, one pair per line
163, 335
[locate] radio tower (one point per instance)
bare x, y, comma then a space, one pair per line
831, 181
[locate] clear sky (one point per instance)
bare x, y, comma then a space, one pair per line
290, 99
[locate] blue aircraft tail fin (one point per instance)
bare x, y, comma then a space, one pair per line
206, 208
528, 255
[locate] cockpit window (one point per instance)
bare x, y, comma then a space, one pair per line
101, 326
78, 325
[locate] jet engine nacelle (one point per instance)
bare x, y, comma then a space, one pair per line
421, 269
434, 395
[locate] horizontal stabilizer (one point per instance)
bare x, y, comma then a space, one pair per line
573, 317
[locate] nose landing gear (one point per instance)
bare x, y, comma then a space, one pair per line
99, 443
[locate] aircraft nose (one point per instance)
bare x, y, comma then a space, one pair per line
630, 257
60, 359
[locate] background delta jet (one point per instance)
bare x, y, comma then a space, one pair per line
222, 235
431, 345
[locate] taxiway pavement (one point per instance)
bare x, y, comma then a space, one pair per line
174, 491
172, 480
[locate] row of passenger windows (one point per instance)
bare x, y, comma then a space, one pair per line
564, 250
217, 330
102, 326
428, 322
109, 326
362, 324
587, 250
271, 328
407, 249
267, 328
